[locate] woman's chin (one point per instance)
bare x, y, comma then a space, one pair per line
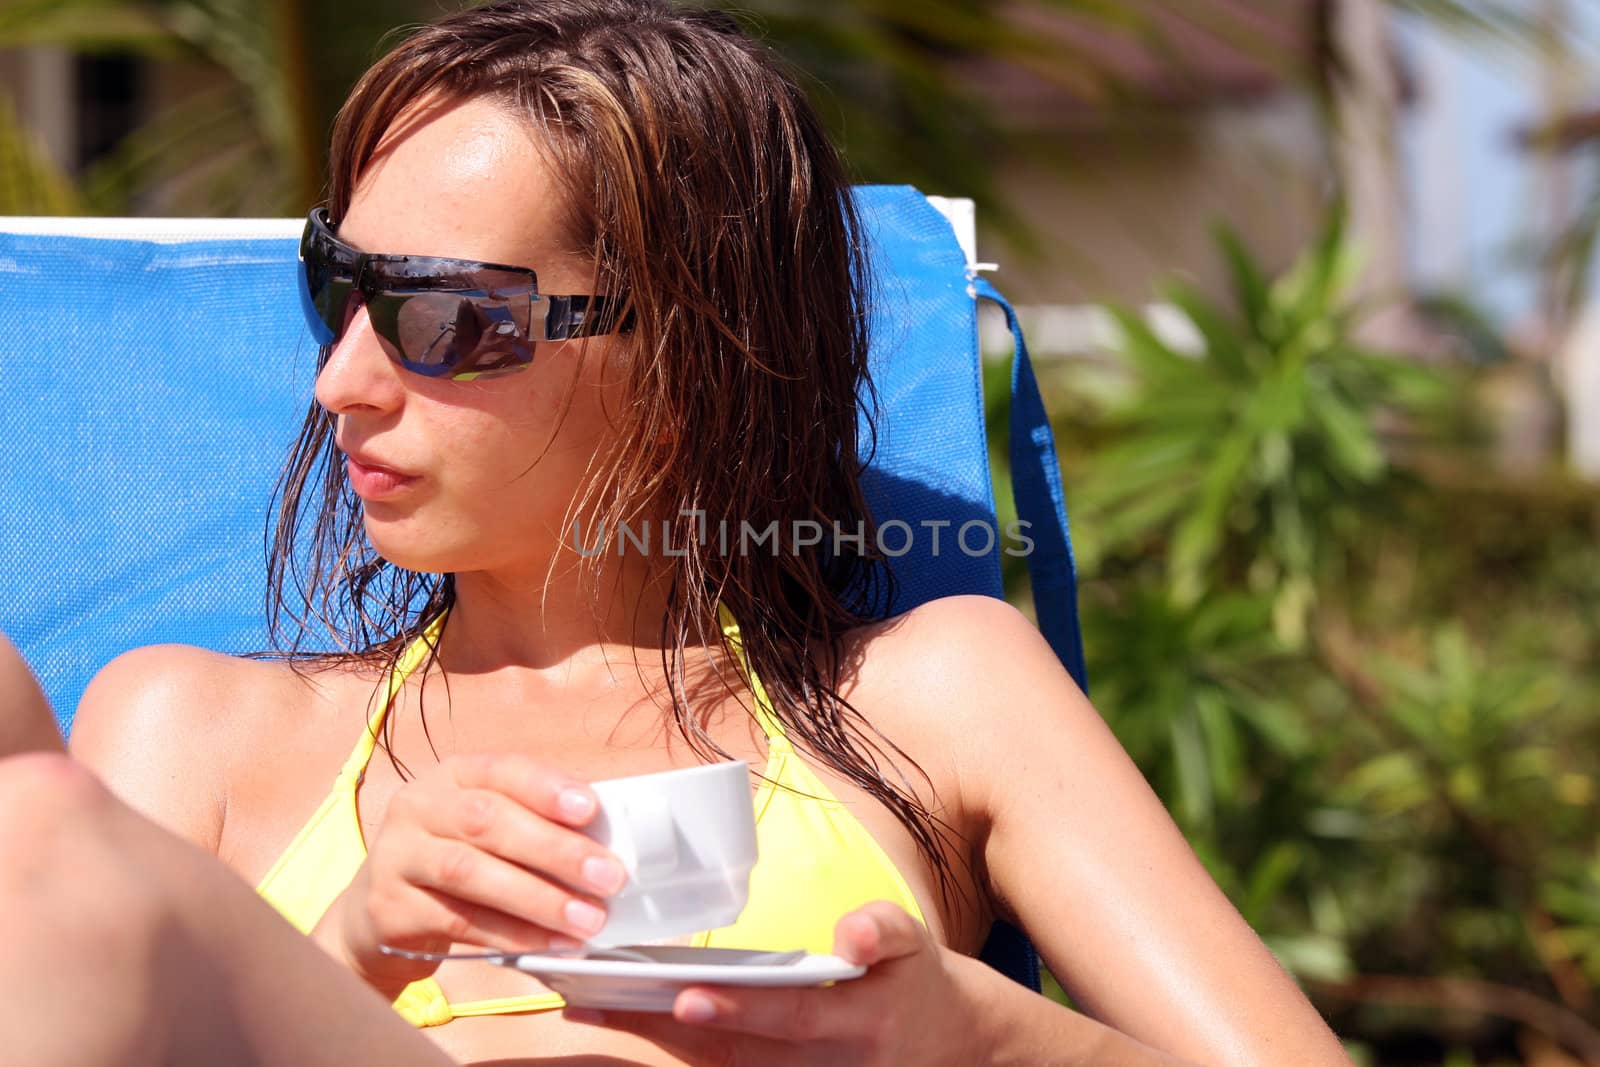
411, 552
452, 546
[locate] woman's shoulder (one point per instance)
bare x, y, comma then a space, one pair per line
178, 693
165, 725
943, 679
963, 623
945, 650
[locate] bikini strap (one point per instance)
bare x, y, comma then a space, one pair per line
413, 657
768, 720
417, 652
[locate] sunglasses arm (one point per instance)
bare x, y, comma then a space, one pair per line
579, 316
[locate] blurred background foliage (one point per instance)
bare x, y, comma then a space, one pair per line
1351, 649
877, 70
1356, 664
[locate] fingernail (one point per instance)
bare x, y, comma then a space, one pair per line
604, 875
575, 803
585, 916
696, 1008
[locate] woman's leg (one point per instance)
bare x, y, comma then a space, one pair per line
25, 720
126, 945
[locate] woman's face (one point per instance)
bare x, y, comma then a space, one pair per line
476, 475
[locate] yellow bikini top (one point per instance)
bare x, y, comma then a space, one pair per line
816, 861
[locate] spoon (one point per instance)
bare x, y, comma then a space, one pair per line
622, 955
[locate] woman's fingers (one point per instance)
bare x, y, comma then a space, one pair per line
875, 935
483, 881
500, 825
877, 931
803, 1015
491, 928
485, 851
542, 790
481, 850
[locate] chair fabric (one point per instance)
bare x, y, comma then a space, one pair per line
150, 391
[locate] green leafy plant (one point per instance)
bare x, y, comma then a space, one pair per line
1355, 661
1255, 457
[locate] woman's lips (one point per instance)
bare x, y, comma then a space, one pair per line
372, 482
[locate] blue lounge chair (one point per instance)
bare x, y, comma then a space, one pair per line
153, 374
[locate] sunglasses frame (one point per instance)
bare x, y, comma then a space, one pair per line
370, 275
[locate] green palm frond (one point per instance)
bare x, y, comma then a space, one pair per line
86, 26
1241, 458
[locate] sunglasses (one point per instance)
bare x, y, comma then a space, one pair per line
443, 318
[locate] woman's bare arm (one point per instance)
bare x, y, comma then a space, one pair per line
1081, 853
26, 724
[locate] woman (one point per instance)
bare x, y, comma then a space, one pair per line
26, 724
465, 505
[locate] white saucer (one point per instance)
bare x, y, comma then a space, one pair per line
627, 985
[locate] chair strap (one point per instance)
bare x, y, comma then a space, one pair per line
1036, 482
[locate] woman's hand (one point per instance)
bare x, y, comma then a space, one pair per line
912, 1006
482, 850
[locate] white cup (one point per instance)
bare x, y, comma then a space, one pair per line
688, 840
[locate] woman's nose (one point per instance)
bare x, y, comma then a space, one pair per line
357, 375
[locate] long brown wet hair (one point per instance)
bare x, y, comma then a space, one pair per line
702, 184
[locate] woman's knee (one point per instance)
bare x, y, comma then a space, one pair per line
41, 786
63, 838
38, 789
83, 926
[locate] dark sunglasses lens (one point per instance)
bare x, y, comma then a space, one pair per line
313, 296
331, 306
453, 335
324, 287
